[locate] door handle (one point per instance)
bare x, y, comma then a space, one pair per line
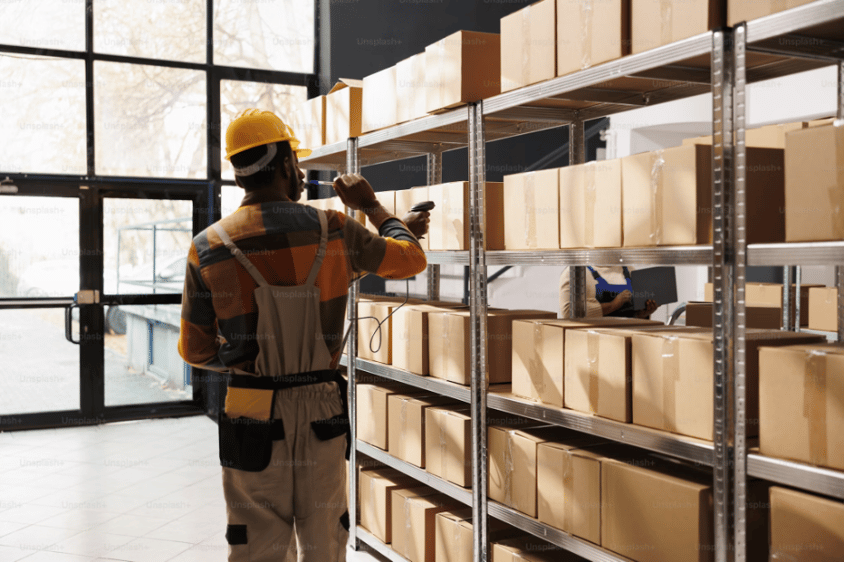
68, 323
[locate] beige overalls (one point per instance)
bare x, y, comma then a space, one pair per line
282, 452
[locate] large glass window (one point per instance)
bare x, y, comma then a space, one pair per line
42, 115
158, 29
268, 34
150, 121
46, 24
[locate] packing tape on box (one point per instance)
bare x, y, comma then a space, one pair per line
814, 404
406, 552
530, 208
657, 186
670, 376
568, 490
836, 191
666, 26
509, 467
592, 347
587, 13
590, 200
443, 417
444, 355
446, 211
535, 367
526, 40
402, 449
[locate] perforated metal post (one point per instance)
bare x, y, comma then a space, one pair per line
435, 177
729, 276
577, 274
353, 167
478, 310
786, 298
839, 271
798, 281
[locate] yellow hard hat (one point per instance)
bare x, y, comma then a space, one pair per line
253, 127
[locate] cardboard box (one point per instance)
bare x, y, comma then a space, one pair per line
376, 498
823, 309
800, 407
530, 549
406, 199
591, 33
372, 421
449, 340
532, 210
410, 336
343, 106
673, 379
764, 317
660, 22
449, 226
805, 527
388, 201
371, 346
814, 185
454, 534
410, 88
538, 358
590, 201
770, 136
739, 11
528, 46
512, 457
770, 295
667, 196
598, 369
406, 429
378, 101
414, 517
309, 124
461, 68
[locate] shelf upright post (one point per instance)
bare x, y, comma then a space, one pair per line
577, 274
478, 335
435, 177
786, 298
839, 271
353, 167
798, 281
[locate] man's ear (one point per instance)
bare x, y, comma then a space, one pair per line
285, 167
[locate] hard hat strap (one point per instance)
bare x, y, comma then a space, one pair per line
260, 164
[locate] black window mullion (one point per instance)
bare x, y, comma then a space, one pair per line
91, 322
89, 85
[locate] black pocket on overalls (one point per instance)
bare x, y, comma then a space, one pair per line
247, 444
331, 427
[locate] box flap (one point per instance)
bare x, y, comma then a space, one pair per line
829, 348
346, 83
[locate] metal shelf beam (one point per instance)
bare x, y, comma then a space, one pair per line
810, 478
795, 20
381, 548
431, 384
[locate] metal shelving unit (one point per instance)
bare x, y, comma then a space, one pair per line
723, 63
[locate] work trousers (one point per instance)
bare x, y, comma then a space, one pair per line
302, 488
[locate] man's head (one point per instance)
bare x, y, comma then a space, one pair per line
264, 152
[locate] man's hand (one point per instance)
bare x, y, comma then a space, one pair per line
622, 298
417, 223
355, 192
650, 308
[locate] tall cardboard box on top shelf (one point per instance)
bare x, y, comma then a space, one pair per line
462, 68
660, 22
800, 408
591, 33
655, 510
449, 350
667, 196
449, 226
765, 317
309, 124
770, 295
376, 494
406, 199
769, 136
414, 517
454, 534
406, 429
378, 102
739, 11
538, 356
410, 335
805, 527
590, 205
528, 46
673, 385
410, 88
814, 184
343, 111
823, 309
388, 200
532, 211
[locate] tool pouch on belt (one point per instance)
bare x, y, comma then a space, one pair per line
246, 443
339, 424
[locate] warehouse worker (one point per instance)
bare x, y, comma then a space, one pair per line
609, 292
264, 302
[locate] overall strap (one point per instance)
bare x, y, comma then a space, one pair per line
595, 275
323, 242
248, 265
626, 273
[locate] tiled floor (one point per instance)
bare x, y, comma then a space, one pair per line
145, 491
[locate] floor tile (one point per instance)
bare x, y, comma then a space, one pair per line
149, 550
91, 543
36, 537
12, 554
132, 525
46, 556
